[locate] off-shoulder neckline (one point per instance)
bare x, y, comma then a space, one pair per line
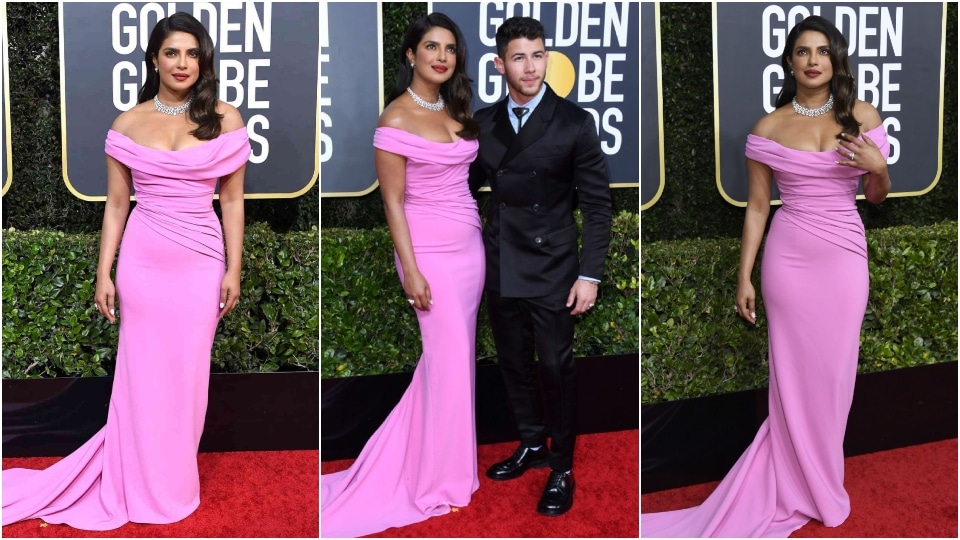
202, 144
805, 151
422, 138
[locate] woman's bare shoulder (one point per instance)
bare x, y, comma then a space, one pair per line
767, 126
126, 120
232, 120
867, 115
395, 115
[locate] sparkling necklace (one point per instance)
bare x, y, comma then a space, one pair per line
800, 109
172, 111
436, 107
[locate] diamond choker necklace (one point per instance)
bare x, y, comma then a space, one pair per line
172, 111
800, 109
436, 107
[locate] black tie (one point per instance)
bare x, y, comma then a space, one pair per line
519, 112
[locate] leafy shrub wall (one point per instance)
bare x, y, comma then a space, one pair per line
368, 327
695, 345
52, 329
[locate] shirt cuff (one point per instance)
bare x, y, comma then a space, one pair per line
590, 279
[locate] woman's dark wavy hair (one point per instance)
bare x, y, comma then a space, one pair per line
203, 109
456, 91
843, 85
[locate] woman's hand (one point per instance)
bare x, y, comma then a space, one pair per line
859, 154
746, 302
229, 292
106, 296
416, 288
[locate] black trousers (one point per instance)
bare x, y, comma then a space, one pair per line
522, 327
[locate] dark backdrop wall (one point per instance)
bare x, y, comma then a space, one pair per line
691, 206
38, 197
367, 211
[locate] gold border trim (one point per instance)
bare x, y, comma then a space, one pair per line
63, 132
5, 44
716, 116
663, 161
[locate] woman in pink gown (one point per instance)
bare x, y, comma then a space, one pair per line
422, 461
814, 283
173, 282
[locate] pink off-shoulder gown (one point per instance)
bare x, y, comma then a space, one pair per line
814, 281
423, 459
142, 466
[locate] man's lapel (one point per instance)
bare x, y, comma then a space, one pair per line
533, 127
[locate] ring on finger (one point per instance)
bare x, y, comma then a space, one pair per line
852, 155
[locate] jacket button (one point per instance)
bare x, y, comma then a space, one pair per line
536, 208
538, 240
533, 173
500, 172
503, 205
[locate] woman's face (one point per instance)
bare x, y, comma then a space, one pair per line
436, 56
178, 61
810, 60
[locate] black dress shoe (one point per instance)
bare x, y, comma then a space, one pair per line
557, 497
517, 464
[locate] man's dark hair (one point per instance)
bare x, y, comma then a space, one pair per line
518, 27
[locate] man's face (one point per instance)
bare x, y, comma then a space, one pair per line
524, 65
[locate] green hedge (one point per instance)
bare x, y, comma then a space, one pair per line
368, 328
692, 344
51, 327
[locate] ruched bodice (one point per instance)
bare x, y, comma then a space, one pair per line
174, 189
817, 192
436, 174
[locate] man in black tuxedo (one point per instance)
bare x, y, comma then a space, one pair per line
541, 156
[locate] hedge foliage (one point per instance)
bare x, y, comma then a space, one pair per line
38, 197
691, 206
368, 327
51, 327
692, 344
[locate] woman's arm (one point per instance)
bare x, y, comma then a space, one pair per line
231, 207
876, 185
119, 185
391, 170
759, 180
867, 155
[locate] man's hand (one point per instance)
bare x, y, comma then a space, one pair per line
584, 294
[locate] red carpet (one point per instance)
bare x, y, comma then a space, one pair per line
242, 495
904, 493
605, 505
